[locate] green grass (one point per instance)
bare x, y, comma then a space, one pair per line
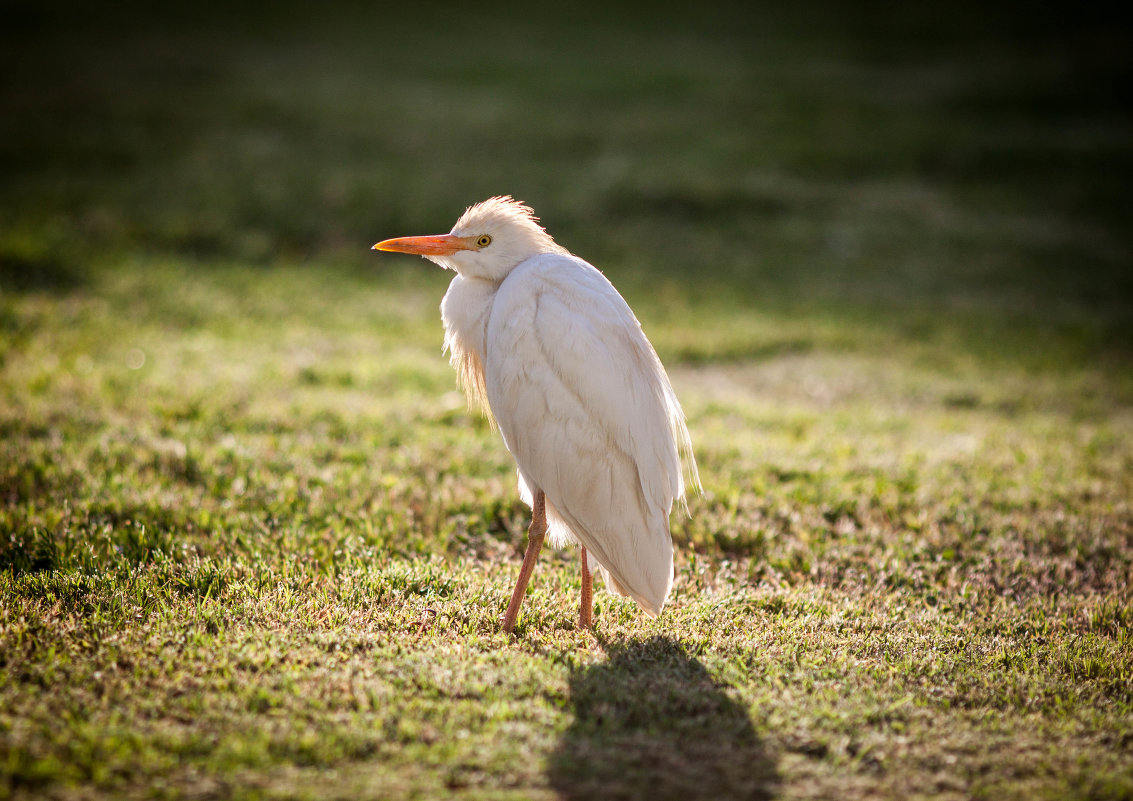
253, 544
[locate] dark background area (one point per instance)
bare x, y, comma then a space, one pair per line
837, 157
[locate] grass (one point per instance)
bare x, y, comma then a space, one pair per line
254, 545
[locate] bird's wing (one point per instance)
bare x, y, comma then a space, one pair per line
585, 407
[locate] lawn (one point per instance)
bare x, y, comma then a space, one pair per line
254, 544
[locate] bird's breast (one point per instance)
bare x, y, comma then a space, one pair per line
465, 311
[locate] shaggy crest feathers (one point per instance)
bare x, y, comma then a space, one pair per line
497, 211
514, 226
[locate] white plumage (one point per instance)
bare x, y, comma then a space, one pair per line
553, 353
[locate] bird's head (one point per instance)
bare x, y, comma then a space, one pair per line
487, 242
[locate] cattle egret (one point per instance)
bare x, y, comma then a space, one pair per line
552, 353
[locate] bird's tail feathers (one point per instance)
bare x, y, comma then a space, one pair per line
647, 577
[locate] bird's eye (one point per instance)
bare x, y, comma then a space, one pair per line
484, 240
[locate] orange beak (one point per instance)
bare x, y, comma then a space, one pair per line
442, 245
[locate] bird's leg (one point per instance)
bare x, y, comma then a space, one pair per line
535, 536
585, 618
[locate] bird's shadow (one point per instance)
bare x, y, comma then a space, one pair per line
651, 723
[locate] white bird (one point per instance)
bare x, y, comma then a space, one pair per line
547, 347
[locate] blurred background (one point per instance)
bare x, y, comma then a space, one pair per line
895, 165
